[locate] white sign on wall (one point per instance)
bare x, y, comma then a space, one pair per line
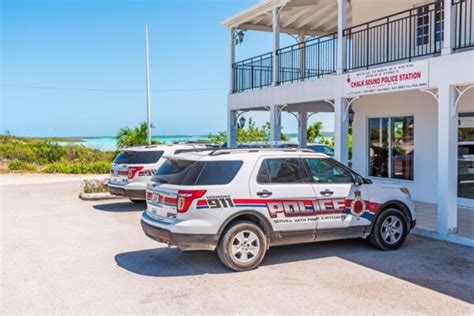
387, 79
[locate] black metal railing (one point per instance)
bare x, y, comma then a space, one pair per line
252, 73
402, 36
313, 58
463, 23
405, 35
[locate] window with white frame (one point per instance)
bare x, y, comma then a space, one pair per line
429, 20
391, 147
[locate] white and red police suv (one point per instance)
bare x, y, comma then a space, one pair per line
242, 201
133, 168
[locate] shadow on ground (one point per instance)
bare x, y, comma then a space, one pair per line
118, 207
439, 266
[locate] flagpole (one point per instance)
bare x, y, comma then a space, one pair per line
148, 111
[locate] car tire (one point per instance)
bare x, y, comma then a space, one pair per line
390, 230
137, 201
242, 246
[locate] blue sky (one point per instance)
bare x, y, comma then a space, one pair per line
77, 68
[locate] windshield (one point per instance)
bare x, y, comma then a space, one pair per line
138, 157
322, 149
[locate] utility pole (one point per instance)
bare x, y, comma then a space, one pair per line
148, 111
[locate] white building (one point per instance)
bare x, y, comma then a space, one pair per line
403, 70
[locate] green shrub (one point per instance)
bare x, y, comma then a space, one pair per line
78, 168
19, 165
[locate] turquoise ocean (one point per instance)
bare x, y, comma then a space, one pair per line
108, 143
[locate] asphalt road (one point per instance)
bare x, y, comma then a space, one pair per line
63, 255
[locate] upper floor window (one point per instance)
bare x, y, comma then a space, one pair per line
429, 23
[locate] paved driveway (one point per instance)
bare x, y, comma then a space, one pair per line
61, 254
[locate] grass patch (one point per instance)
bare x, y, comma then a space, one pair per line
19, 165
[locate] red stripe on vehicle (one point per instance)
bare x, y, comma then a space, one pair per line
202, 203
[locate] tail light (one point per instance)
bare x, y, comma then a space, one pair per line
132, 171
185, 198
149, 195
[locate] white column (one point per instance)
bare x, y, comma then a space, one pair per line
448, 27
447, 162
275, 123
302, 128
231, 129
341, 43
232, 60
276, 43
301, 40
341, 131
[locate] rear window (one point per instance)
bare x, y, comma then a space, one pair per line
136, 157
183, 172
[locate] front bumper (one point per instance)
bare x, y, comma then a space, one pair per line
124, 191
182, 241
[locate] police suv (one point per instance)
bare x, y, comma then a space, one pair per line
242, 201
133, 168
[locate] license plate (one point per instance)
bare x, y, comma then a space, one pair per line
118, 179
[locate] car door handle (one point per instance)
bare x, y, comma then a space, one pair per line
264, 193
326, 192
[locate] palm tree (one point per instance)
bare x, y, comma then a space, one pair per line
314, 131
127, 137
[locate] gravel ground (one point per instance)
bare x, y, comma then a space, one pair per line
63, 255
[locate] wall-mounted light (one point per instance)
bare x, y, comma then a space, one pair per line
241, 122
351, 116
238, 37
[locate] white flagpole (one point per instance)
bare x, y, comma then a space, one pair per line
148, 112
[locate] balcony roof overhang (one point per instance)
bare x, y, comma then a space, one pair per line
297, 17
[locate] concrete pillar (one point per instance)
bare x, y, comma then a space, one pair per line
232, 60
302, 128
301, 41
447, 161
231, 129
276, 44
341, 131
341, 43
448, 28
275, 123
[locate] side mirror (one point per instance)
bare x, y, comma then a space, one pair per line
358, 180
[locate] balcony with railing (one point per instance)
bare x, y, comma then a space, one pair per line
405, 36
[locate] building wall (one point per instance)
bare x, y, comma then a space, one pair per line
367, 10
424, 109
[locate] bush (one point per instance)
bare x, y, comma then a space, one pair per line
78, 168
94, 186
44, 152
20, 165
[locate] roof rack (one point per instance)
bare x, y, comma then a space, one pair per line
226, 151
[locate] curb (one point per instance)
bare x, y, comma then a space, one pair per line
98, 196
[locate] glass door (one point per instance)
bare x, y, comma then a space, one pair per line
466, 156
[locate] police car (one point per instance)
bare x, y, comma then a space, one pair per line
133, 167
240, 202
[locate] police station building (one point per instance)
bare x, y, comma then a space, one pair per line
401, 73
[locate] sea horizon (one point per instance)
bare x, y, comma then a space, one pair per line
108, 143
